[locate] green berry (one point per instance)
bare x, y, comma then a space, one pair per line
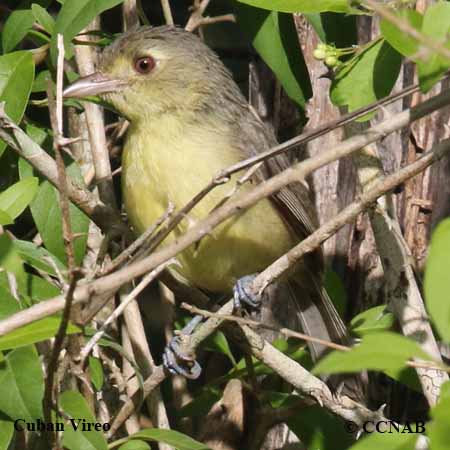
319, 53
331, 61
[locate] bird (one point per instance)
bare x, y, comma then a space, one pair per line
188, 121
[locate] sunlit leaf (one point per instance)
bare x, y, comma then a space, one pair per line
437, 281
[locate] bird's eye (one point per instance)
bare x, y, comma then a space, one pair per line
144, 65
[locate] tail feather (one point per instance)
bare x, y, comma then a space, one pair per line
319, 318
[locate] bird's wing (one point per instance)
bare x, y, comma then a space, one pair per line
293, 201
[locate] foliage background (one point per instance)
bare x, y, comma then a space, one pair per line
271, 53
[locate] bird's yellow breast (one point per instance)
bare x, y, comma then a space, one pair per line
165, 161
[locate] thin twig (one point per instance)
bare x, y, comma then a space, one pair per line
201, 21
197, 13
130, 14
167, 12
119, 310
85, 58
255, 324
140, 241
50, 394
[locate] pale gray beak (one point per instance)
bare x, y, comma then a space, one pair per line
94, 84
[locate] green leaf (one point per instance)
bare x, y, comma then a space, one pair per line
386, 441
37, 331
18, 24
303, 6
43, 18
275, 38
17, 197
74, 405
8, 304
318, 429
96, 372
10, 259
6, 434
16, 79
39, 289
135, 444
21, 384
5, 218
374, 319
439, 428
41, 82
403, 43
46, 213
38, 257
336, 290
174, 438
377, 351
437, 283
337, 29
407, 376
201, 403
218, 343
436, 25
16, 27
367, 77
74, 16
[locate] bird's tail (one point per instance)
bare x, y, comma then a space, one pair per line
319, 318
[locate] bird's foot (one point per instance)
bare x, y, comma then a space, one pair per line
243, 295
176, 360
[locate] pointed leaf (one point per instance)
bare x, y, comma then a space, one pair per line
6, 434
18, 196
439, 428
43, 18
74, 16
46, 212
437, 283
21, 384
38, 257
74, 405
377, 351
386, 441
37, 331
374, 319
16, 27
16, 80
5, 218
174, 438
367, 77
301, 6
436, 25
275, 38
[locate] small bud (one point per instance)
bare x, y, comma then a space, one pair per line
319, 54
322, 46
331, 61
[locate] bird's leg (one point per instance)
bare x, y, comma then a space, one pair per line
242, 294
178, 362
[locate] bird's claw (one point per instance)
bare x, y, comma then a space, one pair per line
176, 360
243, 295
179, 363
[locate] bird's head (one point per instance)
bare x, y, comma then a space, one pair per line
150, 71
